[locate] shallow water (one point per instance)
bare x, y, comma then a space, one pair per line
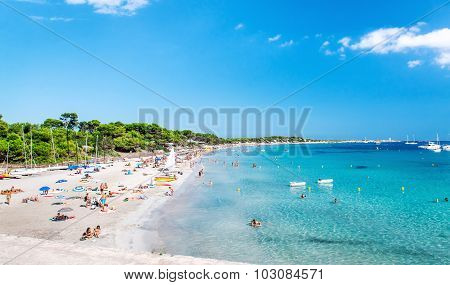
380, 224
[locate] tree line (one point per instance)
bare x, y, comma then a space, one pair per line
69, 139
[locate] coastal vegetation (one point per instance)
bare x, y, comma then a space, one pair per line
70, 139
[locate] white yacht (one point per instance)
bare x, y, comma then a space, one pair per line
325, 181
433, 146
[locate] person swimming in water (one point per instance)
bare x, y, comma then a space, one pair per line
303, 196
254, 223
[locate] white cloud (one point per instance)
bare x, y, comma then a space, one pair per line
239, 26
328, 52
287, 43
443, 59
53, 19
345, 41
414, 63
274, 38
37, 18
75, 2
60, 19
117, 7
394, 40
325, 44
318, 35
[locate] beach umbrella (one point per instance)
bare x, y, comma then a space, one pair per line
44, 188
61, 181
65, 210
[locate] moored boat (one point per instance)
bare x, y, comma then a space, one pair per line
297, 184
58, 167
436, 147
410, 142
27, 171
165, 179
325, 181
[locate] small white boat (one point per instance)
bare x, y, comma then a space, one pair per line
27, 171
325, 181
446, 147
436, 147
57, 167
297, 184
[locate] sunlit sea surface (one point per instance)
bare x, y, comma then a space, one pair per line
385, 213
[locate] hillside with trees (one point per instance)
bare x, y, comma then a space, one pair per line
65, 139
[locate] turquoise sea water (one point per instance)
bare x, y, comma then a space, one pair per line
380, 224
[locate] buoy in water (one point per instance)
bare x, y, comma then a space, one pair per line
359, 189
403, 188
238, 189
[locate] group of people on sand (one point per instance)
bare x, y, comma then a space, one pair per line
30, 199
170, 192
91, 233
93, 203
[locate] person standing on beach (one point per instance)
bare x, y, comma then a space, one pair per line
8, 197
103, 201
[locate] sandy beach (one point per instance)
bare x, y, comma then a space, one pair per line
27, 224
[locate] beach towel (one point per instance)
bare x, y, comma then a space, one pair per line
79, 189
55, 220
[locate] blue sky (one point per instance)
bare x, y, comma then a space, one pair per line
232, 54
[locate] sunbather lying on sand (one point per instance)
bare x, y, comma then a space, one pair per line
88, 234
31, 199
60, 217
